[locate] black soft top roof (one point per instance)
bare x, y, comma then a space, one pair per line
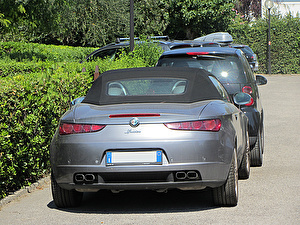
199, 87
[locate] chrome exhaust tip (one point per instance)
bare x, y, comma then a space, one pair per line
180, 175
79, 177
192, 175
89, 177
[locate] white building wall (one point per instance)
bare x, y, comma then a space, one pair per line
284, 7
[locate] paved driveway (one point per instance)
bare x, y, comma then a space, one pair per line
270, 196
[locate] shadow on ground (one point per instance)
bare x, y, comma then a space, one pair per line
129, 202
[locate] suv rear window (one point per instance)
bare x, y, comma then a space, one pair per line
227, 68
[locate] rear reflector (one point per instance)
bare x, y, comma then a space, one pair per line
134, 115
74, 128
199, 125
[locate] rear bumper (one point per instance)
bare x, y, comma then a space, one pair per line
143, 177
156, 186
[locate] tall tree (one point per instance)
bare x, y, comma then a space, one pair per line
194, 18
93, 22
29, 18
151, 17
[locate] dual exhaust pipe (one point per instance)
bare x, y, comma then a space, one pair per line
182, 175
187, 175
81, 178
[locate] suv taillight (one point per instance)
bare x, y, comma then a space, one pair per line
248, 90
73, 128
199, 125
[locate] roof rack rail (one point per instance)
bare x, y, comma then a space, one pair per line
119, 40
166, 37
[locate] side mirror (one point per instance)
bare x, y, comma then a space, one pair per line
261, 80
242, 98
77, 100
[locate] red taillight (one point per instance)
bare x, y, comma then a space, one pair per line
197, 53
199, 125
248, 90
73, 128
251, 102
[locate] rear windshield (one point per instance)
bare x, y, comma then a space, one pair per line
228, 69
152, 85
147, 86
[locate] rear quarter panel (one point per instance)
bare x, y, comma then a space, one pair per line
234, 124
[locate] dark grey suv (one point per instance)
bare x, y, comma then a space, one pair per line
232, 69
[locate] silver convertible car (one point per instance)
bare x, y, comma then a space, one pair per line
152, 128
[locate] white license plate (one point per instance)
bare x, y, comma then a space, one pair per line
137, 158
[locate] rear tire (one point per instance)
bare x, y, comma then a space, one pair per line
64, 198
227, 194
256, 154
244, 169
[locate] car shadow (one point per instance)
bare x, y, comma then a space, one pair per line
128, 202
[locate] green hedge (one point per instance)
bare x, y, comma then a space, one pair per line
30, 109
285, 42
11, 68
32, 99
20, 58
25, 52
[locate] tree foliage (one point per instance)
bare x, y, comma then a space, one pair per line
93, 22
151, 16
24, 19
194, 18
98, 22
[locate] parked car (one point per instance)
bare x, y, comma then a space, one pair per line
152, 129
112, 50
225, 40
250, 55
231, 67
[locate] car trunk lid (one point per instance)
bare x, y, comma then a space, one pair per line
122, 113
